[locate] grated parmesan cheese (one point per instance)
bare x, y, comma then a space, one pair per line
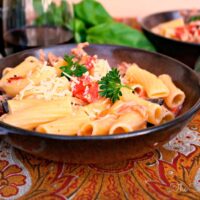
48, 89
71, 77
101, 68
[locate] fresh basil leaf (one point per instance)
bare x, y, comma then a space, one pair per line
54, 16
72, 68
118, 34
194, 18
91, 12
79, 31
37, 4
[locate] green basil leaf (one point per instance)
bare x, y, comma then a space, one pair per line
37, 4
91, 12
54, 16
118, 34
79, 31
194, 18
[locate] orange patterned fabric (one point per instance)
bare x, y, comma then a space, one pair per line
171, 172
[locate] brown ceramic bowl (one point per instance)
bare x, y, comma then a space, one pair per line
186, 52
98, 149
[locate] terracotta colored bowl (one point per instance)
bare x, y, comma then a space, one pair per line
97, 149
186, 52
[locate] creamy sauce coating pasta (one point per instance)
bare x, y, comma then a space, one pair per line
66, 96
180, 30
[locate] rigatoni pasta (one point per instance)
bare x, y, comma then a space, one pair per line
182, 29
18, 105
176, 96
68, 125
152, 85
81, 95
128, 122
99, 126
37, 114
167, 115
16, 79
154, 110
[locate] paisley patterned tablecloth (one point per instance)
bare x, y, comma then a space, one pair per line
170, 172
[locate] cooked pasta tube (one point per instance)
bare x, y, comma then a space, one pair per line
154, 87
69, 125
17, 105
6, 70
100, 126
154, 111
14, 87
176, 96
120, 107
127, 122
137, 88
35, 115
117, 108
167, 115
170, 25
94, 109
61, 62
16, 79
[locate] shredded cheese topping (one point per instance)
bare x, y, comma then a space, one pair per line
101, 68
50, 88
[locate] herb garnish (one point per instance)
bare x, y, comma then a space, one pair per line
194, 18
72, 68
110, 85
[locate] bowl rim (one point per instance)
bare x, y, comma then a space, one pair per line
145, 28
6, 128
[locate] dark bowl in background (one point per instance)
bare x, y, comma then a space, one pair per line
186, 52
107, 149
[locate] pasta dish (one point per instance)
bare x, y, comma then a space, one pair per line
82, 95
178, 29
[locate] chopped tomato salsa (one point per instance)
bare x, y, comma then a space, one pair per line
179, 32
88, 62
86, 89
189, 32
176, 110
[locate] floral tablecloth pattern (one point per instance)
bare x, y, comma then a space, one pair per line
168, 173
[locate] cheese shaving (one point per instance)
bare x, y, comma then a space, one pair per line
101, 68
49, 89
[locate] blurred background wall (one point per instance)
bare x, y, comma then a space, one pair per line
140, 8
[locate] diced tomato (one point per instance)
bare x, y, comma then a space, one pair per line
14, 78
179, 32
89, 62
176, 110
93, 91
191, 28
86, 89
